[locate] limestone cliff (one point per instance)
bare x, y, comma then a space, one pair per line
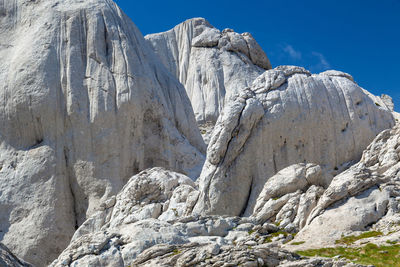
84, 105
287, 116
212, 65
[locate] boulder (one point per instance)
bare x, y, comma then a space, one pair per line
85, 104
289, 196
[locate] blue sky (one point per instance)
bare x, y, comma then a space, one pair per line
361, 37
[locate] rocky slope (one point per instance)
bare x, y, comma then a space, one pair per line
364, 197
212, 65
85, 104
288, 116
136, 229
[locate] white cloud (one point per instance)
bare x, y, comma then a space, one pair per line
296, 55
322, 64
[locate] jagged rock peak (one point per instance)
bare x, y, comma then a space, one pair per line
201, 33
287, 116
84, 104
212, 65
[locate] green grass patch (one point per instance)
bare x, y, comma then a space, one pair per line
176, 252
251, 231
297, 243
371, 254
352, 238
280, 233
268, 239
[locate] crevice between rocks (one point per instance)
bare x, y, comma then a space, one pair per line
244, 208
69, 177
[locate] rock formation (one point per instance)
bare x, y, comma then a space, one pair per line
100, 149
287, 116
85, 104
363, 197
366, 196
212, 65
131, 230
289, 196
8, 259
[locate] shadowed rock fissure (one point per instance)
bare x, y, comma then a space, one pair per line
70, 182
244, 208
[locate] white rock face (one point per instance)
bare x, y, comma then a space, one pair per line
151, 194
85, 104
289, 196
288, 116
212, 65
360, 197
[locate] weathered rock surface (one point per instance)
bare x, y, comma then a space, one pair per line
212, 65
8, 259
286, 117
151, 194
364, 197
116, 236
130, 228
85, 104
194, 254
289, 196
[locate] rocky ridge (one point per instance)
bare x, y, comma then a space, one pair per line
213, 65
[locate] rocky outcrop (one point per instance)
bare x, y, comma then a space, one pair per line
130, 230
288, 197
151, 194
136, 227
85, 104
286, 117
8, 259
364, 197
212, 65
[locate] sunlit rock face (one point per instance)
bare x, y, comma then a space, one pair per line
287, 116
212, 65
84, 104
